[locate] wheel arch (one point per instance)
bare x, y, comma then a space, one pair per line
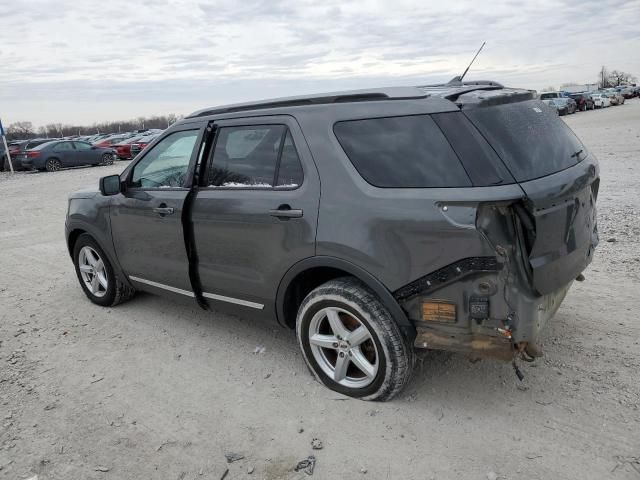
72, 238
76, 229
50, 157
312, 272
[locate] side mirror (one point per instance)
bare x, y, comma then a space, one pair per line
93, 147
110, 185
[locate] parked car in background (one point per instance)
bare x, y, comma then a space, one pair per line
111, 140
600, 100
24, 146
123, 148
564, 105
549, 95
14, 147
626, 91
141, 143
615, 96
52, 156
583, 101
475, 270
4, 162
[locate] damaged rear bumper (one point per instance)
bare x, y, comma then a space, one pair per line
497, 338
481, 305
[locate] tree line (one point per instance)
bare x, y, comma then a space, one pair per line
614, 78
606, 79
25, 130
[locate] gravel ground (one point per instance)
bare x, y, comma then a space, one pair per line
156, 390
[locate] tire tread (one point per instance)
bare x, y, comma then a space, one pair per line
401, 355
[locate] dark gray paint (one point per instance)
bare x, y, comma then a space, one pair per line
244, 251
386, 237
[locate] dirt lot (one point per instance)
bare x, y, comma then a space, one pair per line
155, 390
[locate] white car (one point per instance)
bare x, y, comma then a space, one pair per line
601, 100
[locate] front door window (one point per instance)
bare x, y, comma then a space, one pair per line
166, 165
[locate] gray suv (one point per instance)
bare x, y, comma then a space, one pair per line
450, 217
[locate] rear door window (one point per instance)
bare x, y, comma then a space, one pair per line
256, 156
401, 152
290, 170
63, 147
531, 139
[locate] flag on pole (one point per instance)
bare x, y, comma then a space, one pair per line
1, 129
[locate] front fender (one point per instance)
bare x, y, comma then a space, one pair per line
91, 215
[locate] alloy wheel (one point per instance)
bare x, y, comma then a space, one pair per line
93, 271
343, 347
53, 165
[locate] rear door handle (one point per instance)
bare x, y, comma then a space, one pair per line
163, 210
285, 211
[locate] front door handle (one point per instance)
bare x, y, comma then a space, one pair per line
163, 210
285, 211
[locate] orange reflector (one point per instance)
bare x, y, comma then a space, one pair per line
438, 311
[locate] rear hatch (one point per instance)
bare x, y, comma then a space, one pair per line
560, 180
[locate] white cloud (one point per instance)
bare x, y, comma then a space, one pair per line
75, 61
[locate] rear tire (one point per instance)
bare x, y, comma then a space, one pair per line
107, 159
351, 343
52, 165
96, 275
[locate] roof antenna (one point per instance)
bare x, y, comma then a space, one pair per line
458, 80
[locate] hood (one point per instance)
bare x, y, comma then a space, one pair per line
84, 193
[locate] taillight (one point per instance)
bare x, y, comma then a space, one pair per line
33, 154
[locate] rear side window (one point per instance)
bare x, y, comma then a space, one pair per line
531, 139
257, 156
480, 161
63, 147
401, 152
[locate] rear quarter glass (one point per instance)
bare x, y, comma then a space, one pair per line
401, 152
480, 161
529, 137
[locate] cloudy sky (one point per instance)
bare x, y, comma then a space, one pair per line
75, 61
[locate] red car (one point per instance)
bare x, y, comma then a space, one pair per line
123, 148
140, 144
109, 141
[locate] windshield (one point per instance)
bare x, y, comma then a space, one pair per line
529, 137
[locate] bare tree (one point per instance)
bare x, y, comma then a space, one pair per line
618, 77
603, 80
19, 130
25, 130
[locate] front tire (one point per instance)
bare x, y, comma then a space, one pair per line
96, 275
351, 343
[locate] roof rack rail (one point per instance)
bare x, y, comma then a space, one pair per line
292, 103
390, 93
